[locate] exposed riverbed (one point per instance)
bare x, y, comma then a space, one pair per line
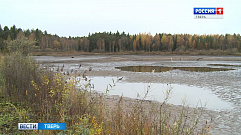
214, 81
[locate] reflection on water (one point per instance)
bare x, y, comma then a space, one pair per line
145, 68
202, 69
192, 95
164, 69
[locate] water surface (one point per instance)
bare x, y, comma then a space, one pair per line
192, 96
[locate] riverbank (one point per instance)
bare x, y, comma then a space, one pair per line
189, 53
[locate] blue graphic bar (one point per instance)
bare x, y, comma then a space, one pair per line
198, 11
51, 126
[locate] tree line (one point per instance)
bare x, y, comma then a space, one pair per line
118, 42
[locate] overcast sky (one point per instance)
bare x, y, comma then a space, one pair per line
79, 17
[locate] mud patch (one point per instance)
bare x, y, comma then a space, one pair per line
164, 69
224, 65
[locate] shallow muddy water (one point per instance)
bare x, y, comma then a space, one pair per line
215, 81
164, 69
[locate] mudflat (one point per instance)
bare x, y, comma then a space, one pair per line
225, 85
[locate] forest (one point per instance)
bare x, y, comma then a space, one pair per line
122, 42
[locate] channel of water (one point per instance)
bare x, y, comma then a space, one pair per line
190, 95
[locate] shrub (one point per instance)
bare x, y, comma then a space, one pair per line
48, 50
21, 45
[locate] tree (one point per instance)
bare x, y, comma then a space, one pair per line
101, 44
38, 34
5, 33
180, 41
164, 41
148, 42
56, 45
138, 42
27, 33
129, 42
13, 32
134, 45
1, 30
20, 34
175, 43
1, 38
45, 32
189, 42
116, 42
32, 37
157, 42
143, 41
193, 44
80, 48
86, 43
169, 43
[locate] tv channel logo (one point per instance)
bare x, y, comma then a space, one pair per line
27, 126
208, 13
41, 126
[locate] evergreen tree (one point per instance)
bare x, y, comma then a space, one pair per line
45, 32
13, 32
27, 33
5, 33
174, 44
1, 38
38, 34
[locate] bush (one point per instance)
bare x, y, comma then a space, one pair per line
181, 50
18, 72
20, 45
231, 51
42, 95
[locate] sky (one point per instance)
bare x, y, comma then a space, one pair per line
81, 17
